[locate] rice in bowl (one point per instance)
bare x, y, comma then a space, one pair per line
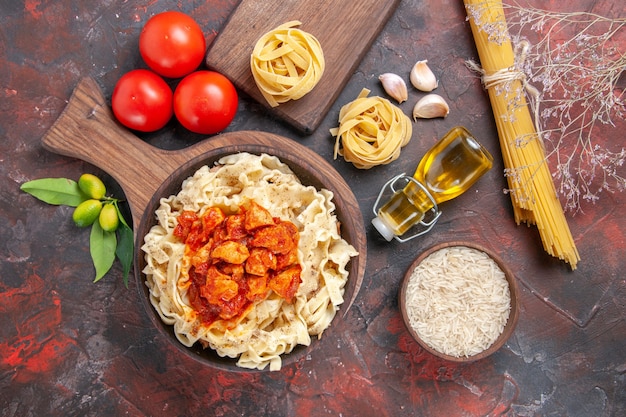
459, 302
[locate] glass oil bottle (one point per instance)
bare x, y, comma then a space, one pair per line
446, 171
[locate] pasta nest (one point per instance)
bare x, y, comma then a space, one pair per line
371, 132
286, 63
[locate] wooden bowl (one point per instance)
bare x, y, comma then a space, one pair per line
513, 314
87, 130
309, 173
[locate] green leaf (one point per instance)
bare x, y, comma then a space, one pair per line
119, 213
125, 249
102, 246
57, 191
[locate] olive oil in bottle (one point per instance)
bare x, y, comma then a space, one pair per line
447, 170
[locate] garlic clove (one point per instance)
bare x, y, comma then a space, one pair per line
422, 77
395, 86
430, 106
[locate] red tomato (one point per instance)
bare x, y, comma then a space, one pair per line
142, 101
172, 44
205, 102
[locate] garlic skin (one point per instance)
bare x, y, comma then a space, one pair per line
430, 106
395, 86
422, 77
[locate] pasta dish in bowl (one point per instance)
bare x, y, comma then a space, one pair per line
245, 262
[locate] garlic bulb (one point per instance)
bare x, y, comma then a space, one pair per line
422, 77
430, 106
395, 86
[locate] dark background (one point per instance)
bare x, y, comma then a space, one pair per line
71, 347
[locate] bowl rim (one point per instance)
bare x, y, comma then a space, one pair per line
353, 230
513, 290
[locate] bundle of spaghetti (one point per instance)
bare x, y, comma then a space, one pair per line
532, 191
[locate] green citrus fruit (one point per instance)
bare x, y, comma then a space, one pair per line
109, 221
87, 212
92, 186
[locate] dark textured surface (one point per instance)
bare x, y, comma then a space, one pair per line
71, 347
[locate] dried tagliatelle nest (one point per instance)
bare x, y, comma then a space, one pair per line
371, 131
286, 63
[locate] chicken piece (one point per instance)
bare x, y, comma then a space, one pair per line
219, 287
260, 261
234, 307
220, 233
279, 238
286, 259
290, 228
257, 216
184, 222
189, 229
235, 227
231, 252
212, 218
202, 255
235, 271
257, 287
286, 282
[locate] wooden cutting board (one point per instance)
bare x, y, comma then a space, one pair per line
345, 30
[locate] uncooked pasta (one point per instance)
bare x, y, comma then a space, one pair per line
371, 132
532, 191
286, 63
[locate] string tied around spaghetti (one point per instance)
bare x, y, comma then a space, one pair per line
510, 74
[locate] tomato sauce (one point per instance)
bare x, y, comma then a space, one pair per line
238, 259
